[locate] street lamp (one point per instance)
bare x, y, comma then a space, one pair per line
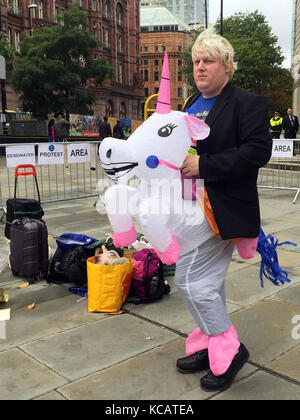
31, 6
221, 19
205, 8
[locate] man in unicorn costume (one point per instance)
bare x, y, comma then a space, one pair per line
231, 147
228, 161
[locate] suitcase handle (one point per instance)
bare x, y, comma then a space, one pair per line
25, 173
33, 172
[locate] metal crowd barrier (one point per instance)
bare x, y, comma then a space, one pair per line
57, 182
282, 173
68, 181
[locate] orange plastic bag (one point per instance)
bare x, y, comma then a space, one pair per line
108, 286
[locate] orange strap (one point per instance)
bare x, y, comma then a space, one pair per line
209, 214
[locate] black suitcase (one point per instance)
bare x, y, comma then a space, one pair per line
29, 256
17, 208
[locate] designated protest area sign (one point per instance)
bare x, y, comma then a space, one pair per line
20, 155
282, 148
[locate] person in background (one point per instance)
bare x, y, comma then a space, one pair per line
290, 125
118, 131
104, 129
51, 133
61, 129
227, 161
276, 125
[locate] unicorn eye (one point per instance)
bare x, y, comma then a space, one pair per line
166, 130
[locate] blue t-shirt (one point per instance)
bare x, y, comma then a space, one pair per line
201, 107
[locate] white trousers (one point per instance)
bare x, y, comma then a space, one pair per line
200, 277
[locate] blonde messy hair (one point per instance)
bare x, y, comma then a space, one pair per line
211, 44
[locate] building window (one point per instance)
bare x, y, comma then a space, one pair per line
41, 9
109, 109
94, 28
156, 63
120, 76
105, 37
146, 76
106, 9
145, 62
180, 92
120, 15
17, 40
122, 112
156, 76
146, 92
94, 5
180, 76
119, 42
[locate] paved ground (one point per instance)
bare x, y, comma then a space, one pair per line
60, 351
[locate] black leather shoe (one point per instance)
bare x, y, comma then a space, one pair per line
194, 363
210, 382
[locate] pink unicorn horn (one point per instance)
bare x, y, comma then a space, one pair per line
163, 105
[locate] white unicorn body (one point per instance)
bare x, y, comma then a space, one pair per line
155, 153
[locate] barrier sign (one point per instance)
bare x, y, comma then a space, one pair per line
283, 148
79, 153
51, 154
20, 155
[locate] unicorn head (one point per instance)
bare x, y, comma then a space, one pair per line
157, 149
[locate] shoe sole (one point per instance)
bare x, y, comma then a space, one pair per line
227, 385
192, 371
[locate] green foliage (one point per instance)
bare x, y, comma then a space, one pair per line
7, 50
55, 65
258, 58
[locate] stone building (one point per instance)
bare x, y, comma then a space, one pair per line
116, 23
162, 31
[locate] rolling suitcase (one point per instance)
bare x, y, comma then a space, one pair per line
17, 208
29, 255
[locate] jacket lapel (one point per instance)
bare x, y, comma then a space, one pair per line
219, 105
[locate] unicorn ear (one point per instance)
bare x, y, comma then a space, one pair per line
164, 96
197, 128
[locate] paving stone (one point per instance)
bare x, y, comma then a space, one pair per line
23, 378
290, 294
162, 312
46, 319
243, 287
51, 396
266, 329
261, 386
288, 363
84, 350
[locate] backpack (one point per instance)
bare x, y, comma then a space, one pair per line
69, 266
148, 283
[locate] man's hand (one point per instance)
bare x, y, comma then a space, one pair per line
190, 166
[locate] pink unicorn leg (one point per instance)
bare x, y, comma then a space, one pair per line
196, 341
222, 349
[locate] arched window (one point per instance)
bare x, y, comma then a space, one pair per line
109, 109
122, 111
120, 15
106, 8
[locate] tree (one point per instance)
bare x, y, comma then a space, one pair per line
258, 58
55, 65
7, 50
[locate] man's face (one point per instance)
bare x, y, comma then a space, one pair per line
290, 111
210, 74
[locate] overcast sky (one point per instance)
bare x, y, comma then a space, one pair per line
278, 14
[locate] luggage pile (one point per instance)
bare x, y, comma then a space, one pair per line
29, 255
141, 279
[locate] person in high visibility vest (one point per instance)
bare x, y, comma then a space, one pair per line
276, 125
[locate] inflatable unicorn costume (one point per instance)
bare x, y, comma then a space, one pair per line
175, 227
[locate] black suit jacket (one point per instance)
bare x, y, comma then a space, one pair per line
287, 125
238, 145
